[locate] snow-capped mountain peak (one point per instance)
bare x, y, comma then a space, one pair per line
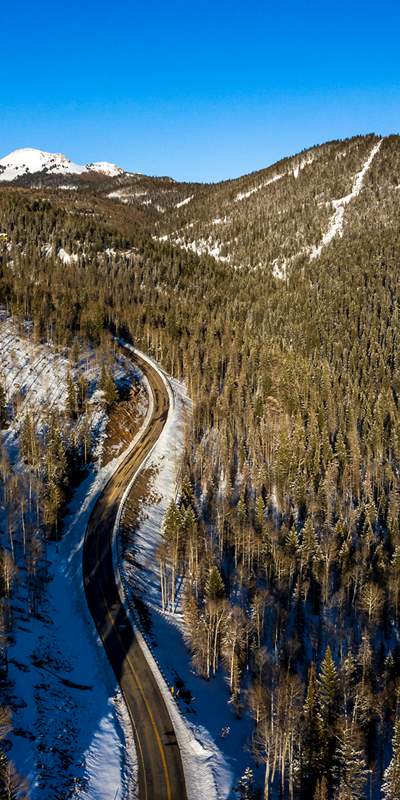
29, 160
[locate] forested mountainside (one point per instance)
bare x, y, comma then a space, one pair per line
287, 528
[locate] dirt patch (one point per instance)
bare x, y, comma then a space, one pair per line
124, 421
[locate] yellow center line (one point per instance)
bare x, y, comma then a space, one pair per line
150, 713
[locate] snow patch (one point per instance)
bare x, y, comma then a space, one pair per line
199, 246
105, 168
279, 269
126, 195
245, 195
335, 227
67, 258
303, 163
185, 201
220, 221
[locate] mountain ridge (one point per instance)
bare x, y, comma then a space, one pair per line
30, 161
277, 219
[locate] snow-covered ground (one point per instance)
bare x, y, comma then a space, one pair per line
214, 759
200, 246
71, 737
335, 227
34, 377
105, 168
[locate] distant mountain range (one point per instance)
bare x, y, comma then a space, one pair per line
30, 161
277, 218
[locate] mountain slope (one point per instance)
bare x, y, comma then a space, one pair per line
274, 219
282, 216
288, 339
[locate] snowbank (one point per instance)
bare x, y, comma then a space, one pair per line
212, 760
71, 735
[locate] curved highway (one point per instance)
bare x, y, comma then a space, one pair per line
160, 771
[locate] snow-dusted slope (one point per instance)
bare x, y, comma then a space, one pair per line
28, 161
105, 168
335, 227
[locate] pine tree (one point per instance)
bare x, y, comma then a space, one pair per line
71, 401
321, 790
56, 458
187, 493
214, 588
350, 771
260, 514
82, 393
328, 696
311, 755
308, 543
3, 407
28, 441
111, 392
245, 789
108, 387
391, 783
172, 529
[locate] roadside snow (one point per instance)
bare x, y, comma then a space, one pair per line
69, 729
212, 761
335, 227
71, 735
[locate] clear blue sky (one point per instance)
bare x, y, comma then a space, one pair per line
201, 89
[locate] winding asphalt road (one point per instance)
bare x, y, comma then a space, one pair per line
159, 762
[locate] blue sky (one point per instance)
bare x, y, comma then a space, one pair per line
197, 90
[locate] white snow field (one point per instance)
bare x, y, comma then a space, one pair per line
105, 168
29, 160
335, 227
212, 760
71, 736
